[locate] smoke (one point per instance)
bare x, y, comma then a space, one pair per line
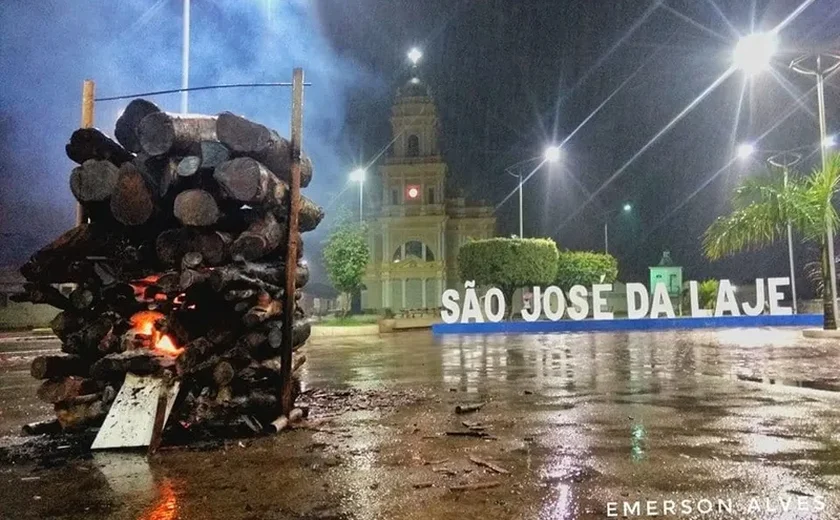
132, 46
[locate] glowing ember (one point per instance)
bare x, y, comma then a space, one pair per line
165, 345
144, 321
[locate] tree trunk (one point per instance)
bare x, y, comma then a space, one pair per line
132, 202
80, 415
829, 320
91, 143
173, 244
164, 133
129, 121
196, 208
93, 181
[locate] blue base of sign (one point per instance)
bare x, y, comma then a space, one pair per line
510, 327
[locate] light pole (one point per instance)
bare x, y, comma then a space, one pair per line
550, 155
753, 54
626, 208
185, 58
819, 70
358, 175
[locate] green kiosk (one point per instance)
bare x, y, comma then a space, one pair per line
671, 275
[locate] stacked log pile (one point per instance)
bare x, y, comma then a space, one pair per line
178, 267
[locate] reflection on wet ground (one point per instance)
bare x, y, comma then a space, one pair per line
578, 422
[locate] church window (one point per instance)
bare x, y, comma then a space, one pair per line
430, 199
413, 146
415, 250
395, 197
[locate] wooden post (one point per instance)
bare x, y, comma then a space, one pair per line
88, 89
291, 250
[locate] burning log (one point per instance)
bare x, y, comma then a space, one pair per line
251, 139
196, 208
184, 249
160, 133
132, 202
55, 390
91, 143
140, 362
55, 366
129, 121
93, 181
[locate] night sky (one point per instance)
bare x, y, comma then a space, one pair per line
508, 78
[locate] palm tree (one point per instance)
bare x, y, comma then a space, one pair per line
762, 207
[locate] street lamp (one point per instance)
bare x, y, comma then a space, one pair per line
414, 55
745, 150
830, 141
626, 208
185, 58
358, 175
550, 155
782, 160
824, 64
753, 52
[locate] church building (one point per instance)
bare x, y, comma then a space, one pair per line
417, 227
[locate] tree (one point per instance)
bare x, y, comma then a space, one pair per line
346, 255
585, 268
509, 263
762, 207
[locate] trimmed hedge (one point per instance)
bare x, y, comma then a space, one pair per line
509, 263
585, 268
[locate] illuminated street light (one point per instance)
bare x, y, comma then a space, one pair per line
626, 208
552, 154
745, 150
358, 175
830, 141
414, 55
753, 52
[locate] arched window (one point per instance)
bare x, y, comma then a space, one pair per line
414, 250
413, 146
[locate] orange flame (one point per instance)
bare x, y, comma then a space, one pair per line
144, 323
167, 346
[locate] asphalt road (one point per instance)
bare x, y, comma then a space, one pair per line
739, 423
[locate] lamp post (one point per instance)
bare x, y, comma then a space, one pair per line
185, 58
626, 208
550, 155
753, 54
358, 175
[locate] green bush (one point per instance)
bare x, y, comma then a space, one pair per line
585, 268
509, 263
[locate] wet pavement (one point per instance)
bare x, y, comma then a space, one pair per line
739, 423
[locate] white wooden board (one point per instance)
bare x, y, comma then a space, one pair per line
131, 419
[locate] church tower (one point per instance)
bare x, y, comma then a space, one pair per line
412, 234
